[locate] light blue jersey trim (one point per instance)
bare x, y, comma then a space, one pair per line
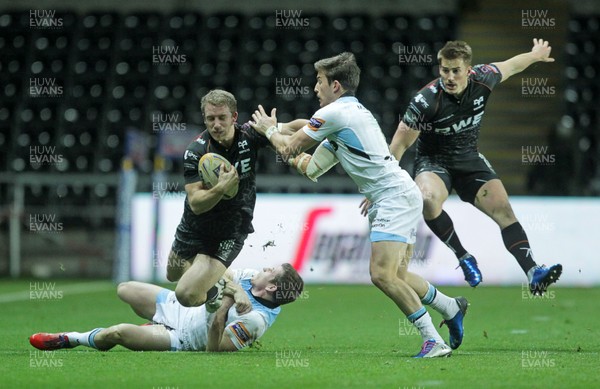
349, 138
378, 236
161, 297
416, 315
429, 296
91, 337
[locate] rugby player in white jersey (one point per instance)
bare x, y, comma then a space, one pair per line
349, 134
251, 302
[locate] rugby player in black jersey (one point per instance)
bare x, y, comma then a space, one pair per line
213, 229
446, 116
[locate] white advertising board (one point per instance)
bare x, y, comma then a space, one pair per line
326, 239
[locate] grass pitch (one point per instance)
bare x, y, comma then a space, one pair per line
335, 337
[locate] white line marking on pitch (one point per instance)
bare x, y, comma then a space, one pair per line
518, 331
82, 288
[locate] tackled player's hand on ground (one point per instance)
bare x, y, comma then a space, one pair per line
541, 49
364, 206
261, 121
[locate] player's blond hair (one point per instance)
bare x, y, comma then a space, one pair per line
289, 285
219, 97
456, 49
342, 68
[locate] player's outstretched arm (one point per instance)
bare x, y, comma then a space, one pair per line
216, 341
287, 145
290, 128
540, 52
403, 138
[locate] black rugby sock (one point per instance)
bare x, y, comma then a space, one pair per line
443, 228
516, 242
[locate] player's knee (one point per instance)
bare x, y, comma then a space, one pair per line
124, 289
507, 211
114, 334
380, 277
188, 297
504, 215
432, 205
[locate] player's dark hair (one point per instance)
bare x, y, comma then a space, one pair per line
342, 68
219, 97
454, 50
289, 285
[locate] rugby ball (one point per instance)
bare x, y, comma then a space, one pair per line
209, 167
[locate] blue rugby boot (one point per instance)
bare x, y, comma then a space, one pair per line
455, 325
471, 271
540, 277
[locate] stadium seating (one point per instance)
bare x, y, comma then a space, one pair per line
108, 79
581, 97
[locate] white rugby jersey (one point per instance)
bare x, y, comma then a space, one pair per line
192, 323
353, 134
245, 329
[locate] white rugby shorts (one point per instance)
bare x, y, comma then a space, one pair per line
395, 215
185, 324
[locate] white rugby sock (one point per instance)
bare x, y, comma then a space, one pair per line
83, 338
425, 325
446, 306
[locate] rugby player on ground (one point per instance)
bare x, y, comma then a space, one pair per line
251, 302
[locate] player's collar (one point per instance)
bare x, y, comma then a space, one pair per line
266, 303
346, 97
460, 98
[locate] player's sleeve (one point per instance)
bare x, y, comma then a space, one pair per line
418, 113
257, 139
248, 328
322, 123
488, 74
191, 157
